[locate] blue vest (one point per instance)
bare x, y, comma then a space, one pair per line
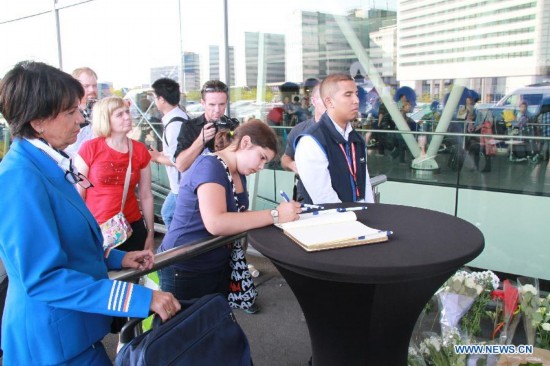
332, 142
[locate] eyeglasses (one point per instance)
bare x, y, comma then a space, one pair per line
79, 179
214, 87
214, 90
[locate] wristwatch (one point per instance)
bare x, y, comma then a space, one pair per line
275, 215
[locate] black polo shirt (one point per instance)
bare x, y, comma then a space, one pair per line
189, 132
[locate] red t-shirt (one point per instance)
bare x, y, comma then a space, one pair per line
107, 171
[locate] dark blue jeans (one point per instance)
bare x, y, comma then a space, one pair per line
186, 286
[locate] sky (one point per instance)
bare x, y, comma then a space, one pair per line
122, 39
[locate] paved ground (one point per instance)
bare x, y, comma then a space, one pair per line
278, 334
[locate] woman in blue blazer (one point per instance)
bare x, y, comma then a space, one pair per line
60, 301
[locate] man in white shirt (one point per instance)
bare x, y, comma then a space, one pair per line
331, 157
167, 98
287, 160
88, 79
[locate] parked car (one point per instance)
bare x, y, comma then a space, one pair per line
533, 95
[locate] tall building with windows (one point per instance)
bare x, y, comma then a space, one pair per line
383, 53
214, 64
271, 60
496, 45
191, 72
215, 60
170, 72
319, 47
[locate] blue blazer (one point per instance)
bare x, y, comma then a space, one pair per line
60, 300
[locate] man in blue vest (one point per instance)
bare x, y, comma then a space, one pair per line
331, 156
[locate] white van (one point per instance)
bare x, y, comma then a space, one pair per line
533, 95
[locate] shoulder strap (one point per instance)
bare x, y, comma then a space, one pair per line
174, 119
128, 174
230, 179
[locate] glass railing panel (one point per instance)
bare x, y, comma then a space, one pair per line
515, 227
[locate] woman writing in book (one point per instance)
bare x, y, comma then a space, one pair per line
213, 200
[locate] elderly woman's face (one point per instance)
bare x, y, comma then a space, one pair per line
121, 120
62, 130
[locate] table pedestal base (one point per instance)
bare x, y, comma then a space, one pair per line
360, 324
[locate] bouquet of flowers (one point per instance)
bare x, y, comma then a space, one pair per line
471, 322
529, 304
543, 328
415, 358
458, 295
508, 306
439, 351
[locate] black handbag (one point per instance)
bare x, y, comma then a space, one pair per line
204, 332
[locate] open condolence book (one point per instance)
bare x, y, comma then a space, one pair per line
331, 230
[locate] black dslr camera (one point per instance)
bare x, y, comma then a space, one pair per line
87, 112
226, 123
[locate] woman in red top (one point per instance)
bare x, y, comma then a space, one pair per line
104, 160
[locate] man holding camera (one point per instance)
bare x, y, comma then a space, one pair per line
198, 134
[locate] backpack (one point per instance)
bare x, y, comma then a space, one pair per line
204, 332
174, 119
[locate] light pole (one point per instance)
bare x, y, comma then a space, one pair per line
58, 35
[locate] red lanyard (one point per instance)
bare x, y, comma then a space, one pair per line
352, 169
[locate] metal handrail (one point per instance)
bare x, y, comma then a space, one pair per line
377, 180
179, 254
176, 255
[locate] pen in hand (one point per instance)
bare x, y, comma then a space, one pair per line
284, 195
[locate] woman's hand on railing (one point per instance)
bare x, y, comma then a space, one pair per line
164, 304
142, 260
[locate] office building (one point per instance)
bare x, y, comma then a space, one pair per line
271, 61
496, 46
319, 47
216, 61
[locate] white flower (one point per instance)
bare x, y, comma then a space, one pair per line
435, 343
424, 348
479, 289
489, 276
546, 326
528, 288
469, 282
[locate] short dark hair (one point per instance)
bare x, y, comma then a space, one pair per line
168, 89
214, 86
34, 90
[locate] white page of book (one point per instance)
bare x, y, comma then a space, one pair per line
320, 219
334, 232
